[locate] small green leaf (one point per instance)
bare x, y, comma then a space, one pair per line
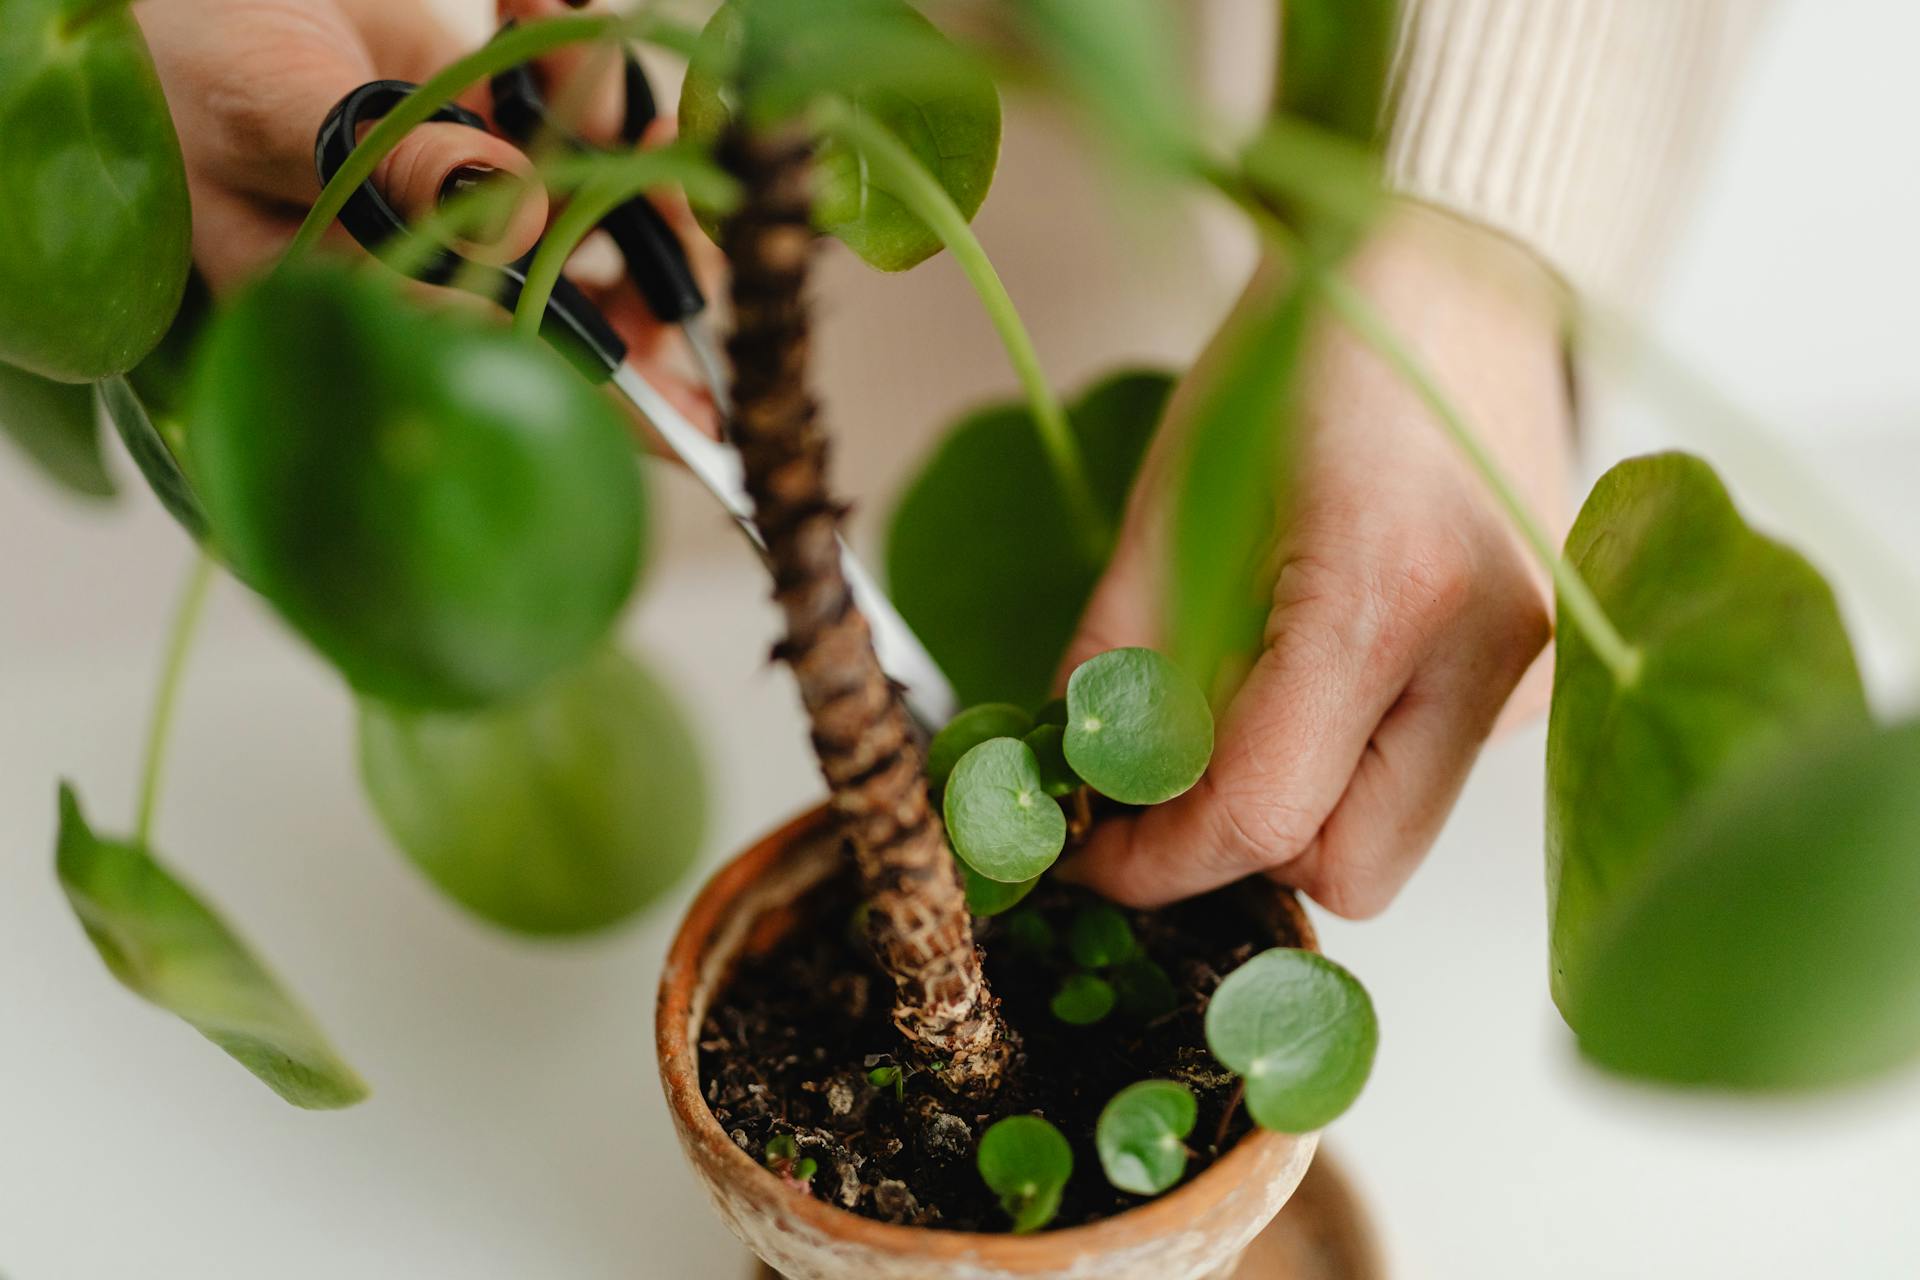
1026, 1162
968, 730
150, 453
1141, 1135
998, 615
1301, 1030
1048, 744
999, 816
1100, 936
804, 1168
1231, 483
1083, 999
1143, 989
1030, 934
1138, 728
1743, 654
170, 949
1771, 942
990, 897
890, 64
53, 424
782, 1147
890, 1077
565, 812
451, 515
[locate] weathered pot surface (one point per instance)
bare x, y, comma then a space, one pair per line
1194, 1232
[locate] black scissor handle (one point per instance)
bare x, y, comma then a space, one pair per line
571, 323
656, 260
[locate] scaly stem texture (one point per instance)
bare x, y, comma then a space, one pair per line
862, 735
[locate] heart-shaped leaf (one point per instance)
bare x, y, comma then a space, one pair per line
1083, 999
170, 949
1026, 1162
1100, 936
1742, 655
1141, 1135
968, 730
1138, 727
999, 816
564, 812
982, 558
152, 455
892, 66
1301, 1030
450, 514
53, 423
1770, 942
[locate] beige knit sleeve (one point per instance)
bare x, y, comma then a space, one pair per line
1575, 126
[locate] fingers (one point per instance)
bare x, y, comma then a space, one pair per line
439, 162
583, 84
1286, 749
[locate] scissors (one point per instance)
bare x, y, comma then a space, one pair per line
574, 326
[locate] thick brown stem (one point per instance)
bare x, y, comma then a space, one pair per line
862, 735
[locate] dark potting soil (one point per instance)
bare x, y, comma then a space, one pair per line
786, 1051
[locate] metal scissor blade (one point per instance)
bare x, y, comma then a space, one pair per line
717, 466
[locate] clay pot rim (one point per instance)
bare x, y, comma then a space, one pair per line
681, 1078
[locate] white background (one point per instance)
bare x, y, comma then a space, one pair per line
517, 1129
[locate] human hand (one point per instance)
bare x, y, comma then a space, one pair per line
1406, 610
249, 82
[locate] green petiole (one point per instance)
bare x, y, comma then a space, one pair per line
510, 49
908, 181
186, 616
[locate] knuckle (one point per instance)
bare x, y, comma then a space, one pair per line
1253, 831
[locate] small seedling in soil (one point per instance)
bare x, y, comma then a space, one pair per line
784, 1158
1141, 1136
1083, 999
1026, 1162
1101, 937
890, 1077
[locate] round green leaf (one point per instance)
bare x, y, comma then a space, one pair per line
566, 811
1100, 936
1143, 990
1743, 656
1771, 943
981, 557
999, 816
1026, 1162
968, 730
1048, 744
53, 423
1138, 728
449, 513
1030, 934
94, 226
1301, 1030
1083, 999
990, 897
892, 66
1140, 1135
169, 948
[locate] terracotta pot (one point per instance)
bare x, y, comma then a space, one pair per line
1195, 1232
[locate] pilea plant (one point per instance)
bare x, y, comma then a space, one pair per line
447, 514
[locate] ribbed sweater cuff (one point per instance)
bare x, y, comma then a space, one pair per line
1573, 126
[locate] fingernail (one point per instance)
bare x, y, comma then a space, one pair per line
464, 179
